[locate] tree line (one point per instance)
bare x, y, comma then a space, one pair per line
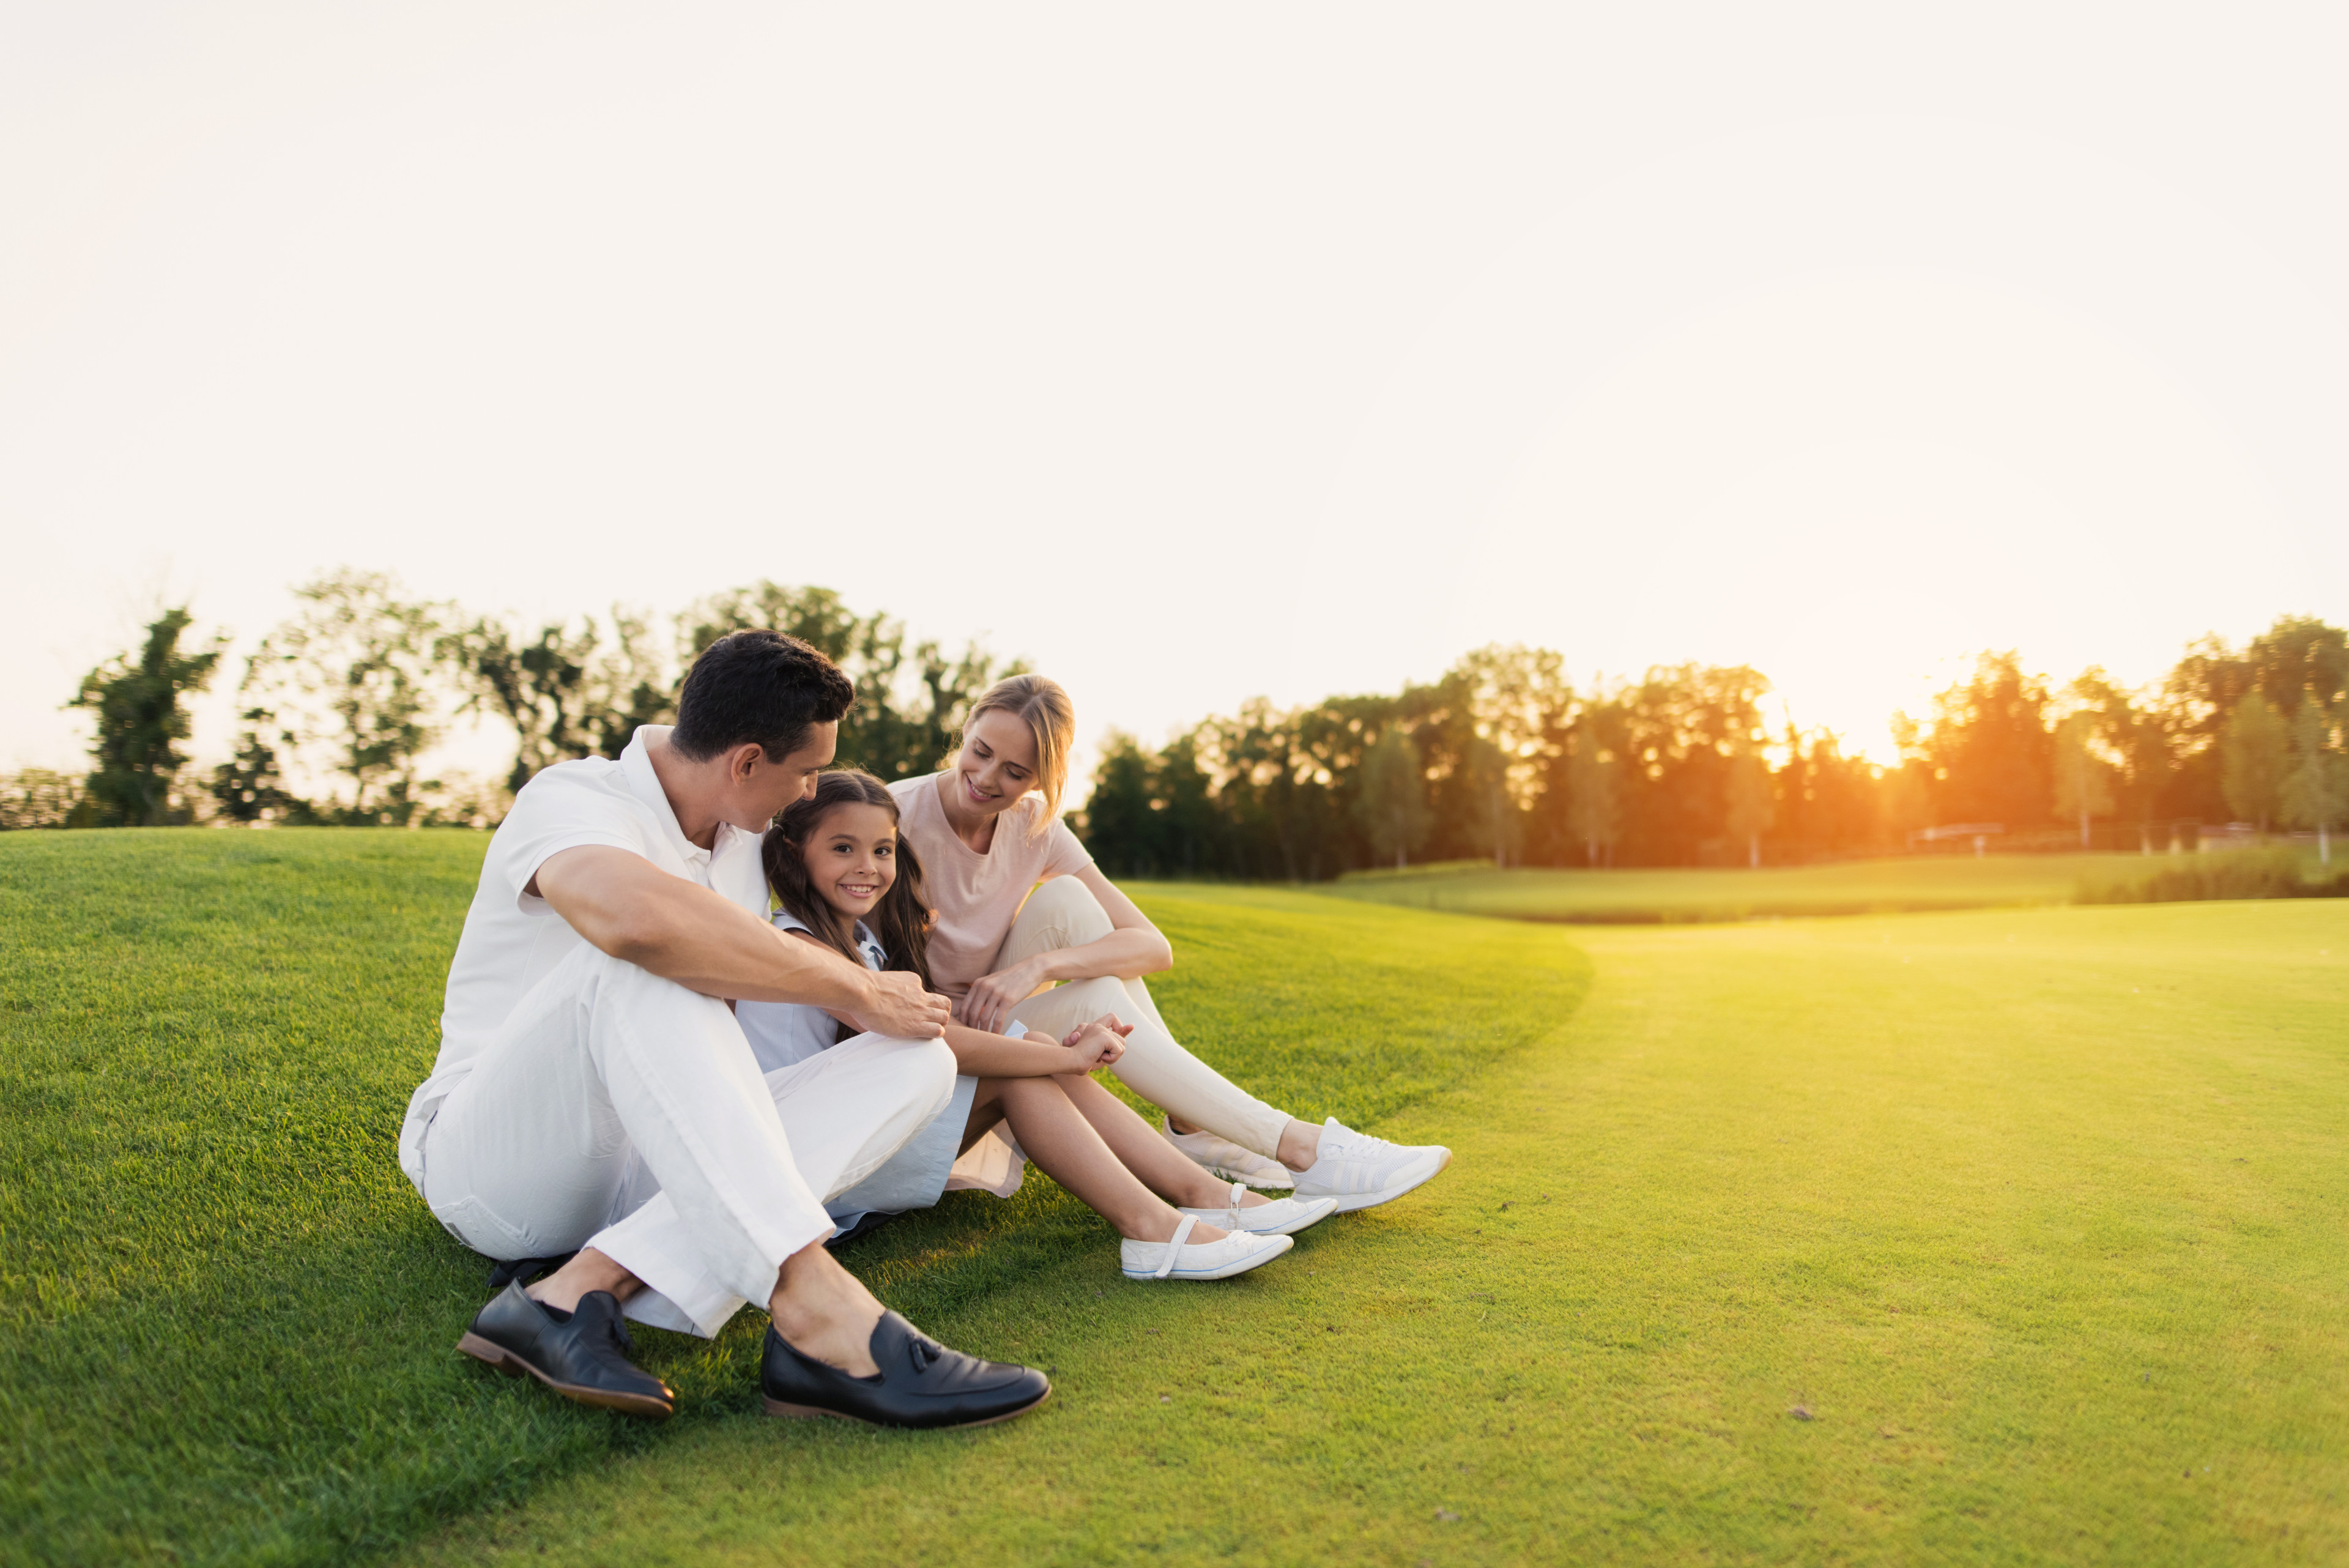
340, 708
1503, 759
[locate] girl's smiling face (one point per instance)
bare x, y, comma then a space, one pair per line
852, 859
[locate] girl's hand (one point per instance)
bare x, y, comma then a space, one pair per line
1099, 1044
987, 1005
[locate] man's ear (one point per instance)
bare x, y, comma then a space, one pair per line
744, 760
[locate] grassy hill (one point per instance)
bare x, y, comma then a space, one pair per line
227, 1323
2002, 1236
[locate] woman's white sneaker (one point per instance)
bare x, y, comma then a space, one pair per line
1235, 1254
1281, 1217
1223, 1157
1360, 1171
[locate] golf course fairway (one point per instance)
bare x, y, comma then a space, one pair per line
2005, 1236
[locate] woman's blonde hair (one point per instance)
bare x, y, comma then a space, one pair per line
1041, 705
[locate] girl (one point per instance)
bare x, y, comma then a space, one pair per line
843, 879
988, 829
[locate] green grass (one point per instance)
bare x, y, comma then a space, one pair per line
1907, 884
2035, 1213
227, 1322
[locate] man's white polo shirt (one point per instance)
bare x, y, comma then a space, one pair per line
513, 940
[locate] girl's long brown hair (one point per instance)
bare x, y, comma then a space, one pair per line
901, 920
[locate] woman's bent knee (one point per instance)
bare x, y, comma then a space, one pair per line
1068, 906
1075, 1003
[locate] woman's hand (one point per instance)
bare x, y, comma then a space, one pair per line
1099, 1044
988, 1003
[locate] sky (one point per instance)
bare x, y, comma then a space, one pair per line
1191, 354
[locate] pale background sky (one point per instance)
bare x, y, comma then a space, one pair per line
1193, 353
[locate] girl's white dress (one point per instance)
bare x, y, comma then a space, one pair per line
784, 1034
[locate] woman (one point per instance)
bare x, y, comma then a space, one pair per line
988, 830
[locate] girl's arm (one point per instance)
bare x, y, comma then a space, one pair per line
983, 1055
1133, 948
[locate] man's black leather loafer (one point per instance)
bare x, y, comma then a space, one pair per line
922, 1384
582, 1354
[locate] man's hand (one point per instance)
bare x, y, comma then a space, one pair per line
899, 1008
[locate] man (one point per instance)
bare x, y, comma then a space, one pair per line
594, 1094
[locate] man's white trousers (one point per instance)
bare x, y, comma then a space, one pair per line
609, 1083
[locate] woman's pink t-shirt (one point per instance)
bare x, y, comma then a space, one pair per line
978, 895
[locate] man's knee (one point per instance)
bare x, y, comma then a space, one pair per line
922, 1070
931, 1068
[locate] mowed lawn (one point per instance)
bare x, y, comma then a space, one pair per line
2007, 1236
1908, 884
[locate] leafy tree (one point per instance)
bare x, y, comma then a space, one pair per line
539, 687
39, 797
249, 786
2083, 781
1516, 705
568, 693
1393, 802
1499, 822
2295, 659
628, 684
1679, 728
141, 720
910, 701
1748, 808
2141, 750
1827, 804
1154, 814
365, 673
1274, 791
2254, 756
1119, 826
2316, 792
1592, 806
1190, 830
1987, 748
2298, 658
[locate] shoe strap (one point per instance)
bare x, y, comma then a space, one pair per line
1181, 1234
1239, 1191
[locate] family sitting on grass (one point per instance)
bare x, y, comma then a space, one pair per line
684, 1049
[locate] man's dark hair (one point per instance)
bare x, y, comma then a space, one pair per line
757, 686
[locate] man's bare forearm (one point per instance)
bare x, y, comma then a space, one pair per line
719, 949
682, 931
